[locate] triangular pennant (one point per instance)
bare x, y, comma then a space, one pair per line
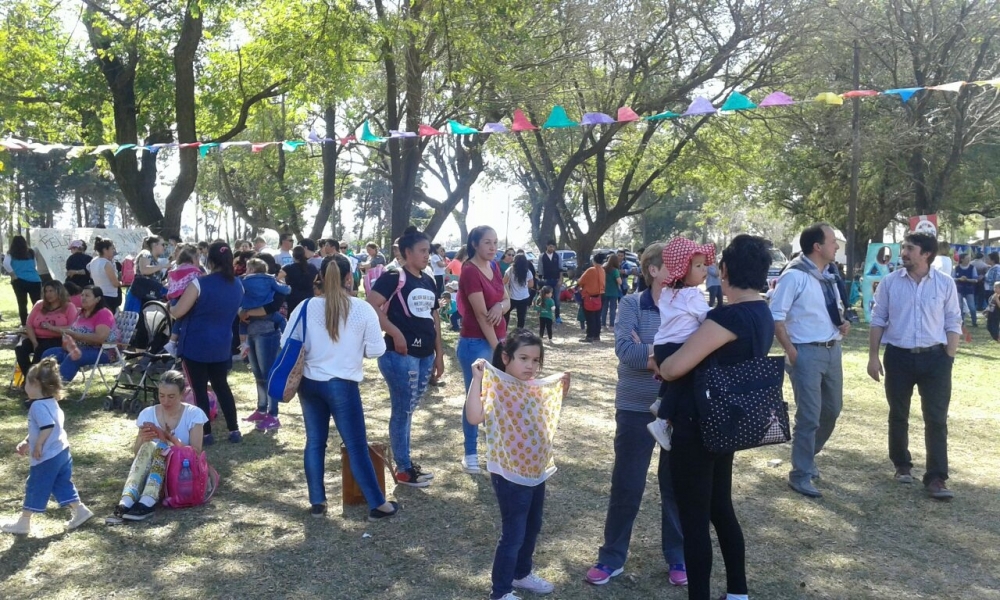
700, 106
367, 136
988, 82
225, 145
859, 94
494, 128
205, 148
737, 101
667, 114
955, 86
123, 148
596, 118
904, 93
829, 98
189, 145
292, 145
395, 133
776, 99
349, 139
313, 137
459, 129
521, 122
427, 130
258, 147
558, 119
627, 115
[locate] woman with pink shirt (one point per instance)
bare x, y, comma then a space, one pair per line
53, 309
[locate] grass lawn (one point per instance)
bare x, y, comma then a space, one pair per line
869, 537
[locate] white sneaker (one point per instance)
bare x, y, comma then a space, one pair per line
80, 516
655, 407
510, 596
661, 430
470, 464
18, 527
534, 584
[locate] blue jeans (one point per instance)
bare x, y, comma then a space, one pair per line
68, 367
53, 477
521, 521
609, 310
467, 351
970, 303
633, 451
264, 340
407, 377
341, 399
715, 295
555, 284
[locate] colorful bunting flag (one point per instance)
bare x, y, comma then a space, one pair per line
558, 119
395, 133
427, 130
596, 118
661, 116
521, 122
904, 93
776, 99
291, 145
859, 94
205, 148
955, 86
737, 101
494, 128
829, 98
347, 140
700, 106
366, 134
459, 129
627, 115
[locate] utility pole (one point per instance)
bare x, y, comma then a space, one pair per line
852, 205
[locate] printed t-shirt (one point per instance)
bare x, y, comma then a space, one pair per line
59, 318
471, 281
191, 416
44, 413
420, 296
89, 325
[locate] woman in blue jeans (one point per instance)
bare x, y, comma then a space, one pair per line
482, 301
340, 332
413, 344
638, 320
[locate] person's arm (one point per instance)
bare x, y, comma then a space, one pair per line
29, 331
146, 267
879, 321
196, 434
785, 291
374, 345
279, 287
43, 435
481, 314
438, 347
952, 320
398, 339
100, 335
629, 348
112, 273
475, 411
874, 341
707, 339
186, 302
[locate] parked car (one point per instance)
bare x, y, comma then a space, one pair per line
778, 262
567, 259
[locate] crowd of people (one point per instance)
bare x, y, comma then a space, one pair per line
258, 301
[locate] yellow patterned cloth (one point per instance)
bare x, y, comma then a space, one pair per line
521, 422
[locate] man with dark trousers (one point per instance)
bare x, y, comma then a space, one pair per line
916, 316
551, 270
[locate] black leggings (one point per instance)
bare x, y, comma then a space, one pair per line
544, 324
28, 354
521, 307
22, 291
199, 375
593, 319
703, 486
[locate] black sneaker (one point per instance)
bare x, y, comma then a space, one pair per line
413, 478
138, 512
377, 515
318, 510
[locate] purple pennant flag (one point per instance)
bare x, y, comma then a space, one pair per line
776, 99
401, 134
700, 106
596, 118
494, 128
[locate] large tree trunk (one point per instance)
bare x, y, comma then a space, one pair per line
331, 150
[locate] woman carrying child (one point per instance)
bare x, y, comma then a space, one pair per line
185, 270
519, 461
51, 470
170, 423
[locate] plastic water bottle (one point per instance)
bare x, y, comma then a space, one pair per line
185, 481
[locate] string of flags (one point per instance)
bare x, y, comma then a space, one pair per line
557, 119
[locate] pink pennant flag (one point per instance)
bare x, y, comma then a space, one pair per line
776, 99
859, 94
258, 147
627, 115
427, 131
347, 140
189, 145
521, 122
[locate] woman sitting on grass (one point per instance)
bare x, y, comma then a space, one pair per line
172, 422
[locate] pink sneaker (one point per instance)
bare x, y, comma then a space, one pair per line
268, 423
255, 417
678, 575
600, 574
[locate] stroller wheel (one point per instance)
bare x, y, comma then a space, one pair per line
134, 405
109, 403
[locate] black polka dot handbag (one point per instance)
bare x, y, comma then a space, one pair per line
741, 405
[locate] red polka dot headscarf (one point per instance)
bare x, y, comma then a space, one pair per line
677, 257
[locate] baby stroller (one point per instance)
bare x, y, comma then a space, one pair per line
145, 362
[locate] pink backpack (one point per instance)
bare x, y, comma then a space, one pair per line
399, 287
204, 479
128, 271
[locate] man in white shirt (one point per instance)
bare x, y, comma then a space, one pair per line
943, 262
916, 315
260, 245
809, 324
284, 255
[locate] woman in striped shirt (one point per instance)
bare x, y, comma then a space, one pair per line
638, 320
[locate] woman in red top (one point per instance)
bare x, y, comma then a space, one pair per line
482, 302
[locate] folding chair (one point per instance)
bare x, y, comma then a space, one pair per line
125, 323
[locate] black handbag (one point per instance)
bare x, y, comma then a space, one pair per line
742, 406
146, 288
